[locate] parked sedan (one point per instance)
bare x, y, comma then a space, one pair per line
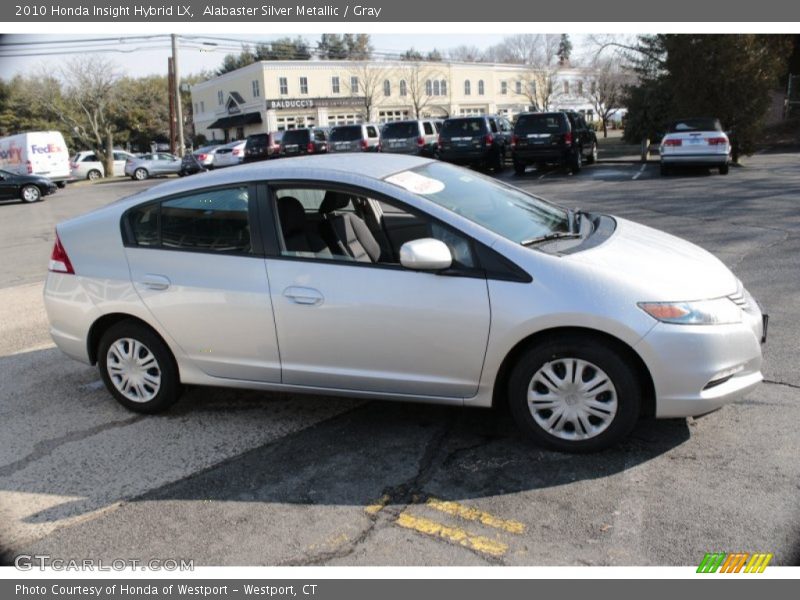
696, 142
205, 155
86, 165
28, 188
401, 278
151, 165
229, 154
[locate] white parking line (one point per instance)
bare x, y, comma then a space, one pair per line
639, 174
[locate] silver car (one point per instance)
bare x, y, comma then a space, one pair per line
85, 165
401, 278
696, 142
150, 165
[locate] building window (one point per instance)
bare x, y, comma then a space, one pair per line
471, 112
481, 89
353, 86
335, 85
220, 97
344, 119
387, 88
304, 85
436, 88
580, 88
518, 86
467, 88
429, 88
444, 87
387, 116
195, 108
594, 87
202, 106
503, 87
532, 86
297, 122
566, 87
283, 84
256, 89
403, 88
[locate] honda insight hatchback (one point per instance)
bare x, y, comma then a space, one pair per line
401, 278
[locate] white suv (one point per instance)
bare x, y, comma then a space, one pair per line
85, 165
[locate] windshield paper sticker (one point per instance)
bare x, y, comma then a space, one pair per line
416, 183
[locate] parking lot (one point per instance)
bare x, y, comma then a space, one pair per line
249, 478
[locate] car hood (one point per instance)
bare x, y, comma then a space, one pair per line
664, 266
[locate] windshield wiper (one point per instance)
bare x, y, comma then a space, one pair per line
553, 235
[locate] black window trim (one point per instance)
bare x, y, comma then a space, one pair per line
254, 218
510, 271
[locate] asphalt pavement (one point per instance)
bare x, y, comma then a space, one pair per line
249, 478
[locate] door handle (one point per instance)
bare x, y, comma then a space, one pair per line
155, 282
303, 295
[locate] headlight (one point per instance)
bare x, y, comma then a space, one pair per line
719, 311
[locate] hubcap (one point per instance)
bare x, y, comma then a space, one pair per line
30, 194
572, 399
133, 369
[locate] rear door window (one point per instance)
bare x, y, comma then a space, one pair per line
540, 124
428, 128
463, 127
372, 132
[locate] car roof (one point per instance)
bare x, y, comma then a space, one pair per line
342, 167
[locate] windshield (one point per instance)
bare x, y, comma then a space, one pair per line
501, 208
346, 134
401, 130
695, 125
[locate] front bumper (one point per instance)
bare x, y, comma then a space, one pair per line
699, 368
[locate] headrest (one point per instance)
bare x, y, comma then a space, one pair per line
333, 201
292, 215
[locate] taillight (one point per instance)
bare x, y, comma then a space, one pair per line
236, 152
364, 144
489, 139
29, 166
73, 165
439, 142
673, 142
59, 261
514, 140
717, 141
420, 141
202, 157
310, 147
568, 138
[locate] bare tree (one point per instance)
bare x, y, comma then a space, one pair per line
465, 54
416, 75
539, 53
87, 102
370, 77
605, 89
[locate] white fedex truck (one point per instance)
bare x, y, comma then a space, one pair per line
42, 153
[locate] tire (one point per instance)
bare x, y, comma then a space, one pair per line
151, 384
499, 161
664, 170
617, 402
577, 162
519, 168
140, 174
61, 184
592, 158
30, 194
94, 175
723, 169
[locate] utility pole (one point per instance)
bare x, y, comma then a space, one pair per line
177, 87
171, 79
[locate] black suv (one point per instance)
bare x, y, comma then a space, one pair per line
261, 146
482, 141
297, 142
561, 138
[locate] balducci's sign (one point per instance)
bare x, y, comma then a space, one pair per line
283, 104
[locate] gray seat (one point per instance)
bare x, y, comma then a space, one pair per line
298, 234
347, 231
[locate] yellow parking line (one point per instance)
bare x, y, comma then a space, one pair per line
473, 514
452, 534
378, 506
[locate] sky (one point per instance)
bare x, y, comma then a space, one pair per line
142, 55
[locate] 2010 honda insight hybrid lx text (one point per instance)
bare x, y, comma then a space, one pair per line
401, 278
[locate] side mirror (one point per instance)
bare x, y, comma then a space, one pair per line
425, 254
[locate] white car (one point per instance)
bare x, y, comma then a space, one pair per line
229, 154
396, 277
85, 165
696, 142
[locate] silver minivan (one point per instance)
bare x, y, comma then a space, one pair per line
411, 137
365, 137
401, 278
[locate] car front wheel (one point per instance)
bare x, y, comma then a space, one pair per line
574, 394
137, 367
30, 193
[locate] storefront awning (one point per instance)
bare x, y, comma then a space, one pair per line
236, 121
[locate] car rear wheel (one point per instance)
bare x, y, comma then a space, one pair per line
93, 175
574, 394
577, 161
723, 169
138, 368
664, 170
140, 174
591, 158
30, 193
519, 168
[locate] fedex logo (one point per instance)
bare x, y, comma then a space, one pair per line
48, 149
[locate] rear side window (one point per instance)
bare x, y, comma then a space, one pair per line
428, 128
541, 124
372, 132
89, 158
463, 127
319, 135
210, 221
